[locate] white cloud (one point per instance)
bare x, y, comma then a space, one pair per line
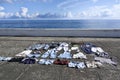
101, 12
1, 8
68, 15
23, 12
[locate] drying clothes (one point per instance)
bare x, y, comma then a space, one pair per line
79, 65
79, 55
93, 64
5, 58
72, 64
29, 60
24, 53
87, 48
45, 61
64, 44
105, 60
99, 52
66, 48
36, 47
16, 59
52, 53
34, 54
61, 62
46, 54
46, 47
65, 55
75, 48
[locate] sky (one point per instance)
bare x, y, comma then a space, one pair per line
59, 9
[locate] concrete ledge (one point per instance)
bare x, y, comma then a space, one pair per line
115, 33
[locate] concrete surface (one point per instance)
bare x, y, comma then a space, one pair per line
60, 32
9, 46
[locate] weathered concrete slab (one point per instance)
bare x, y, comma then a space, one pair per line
9, 46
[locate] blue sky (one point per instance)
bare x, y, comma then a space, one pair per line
60, 9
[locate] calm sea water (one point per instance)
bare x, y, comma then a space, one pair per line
83, 24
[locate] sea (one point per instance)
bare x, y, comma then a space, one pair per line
81, 24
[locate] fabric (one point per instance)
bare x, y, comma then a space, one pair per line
105, 60
45, 61
61, 62
79, 65
87, 48
79, 55
65, 55
29, 61
24, 53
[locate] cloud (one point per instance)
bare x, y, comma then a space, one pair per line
101, 12
68, 15
23, 11
1, 8
74, 3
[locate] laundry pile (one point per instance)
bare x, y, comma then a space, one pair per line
63, 53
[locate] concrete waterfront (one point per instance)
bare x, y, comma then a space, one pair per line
9, 46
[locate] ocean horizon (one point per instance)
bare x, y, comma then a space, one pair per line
56, 24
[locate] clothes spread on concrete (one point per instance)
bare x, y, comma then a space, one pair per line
52, 53
79, 55
90, 48
34, 54
61, 62
99, 52
86, 47
29, 61
5, 58
93, 64
46, 61
24, 53
66, 55
79, 65
63, 53
105, 60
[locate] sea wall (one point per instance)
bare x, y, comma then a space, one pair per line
115, 33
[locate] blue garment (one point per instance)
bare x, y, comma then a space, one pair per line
87, 48
65, 55
46, 54
53, 54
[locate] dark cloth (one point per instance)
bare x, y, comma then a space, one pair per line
61, 62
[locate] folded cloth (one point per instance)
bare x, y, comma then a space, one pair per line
79, 65
79, 55
45, 61
61, 62
46, 54
29, 60
93, 64
53, 53
33, 55
5, 58
65, 55
105, 60
24, 53
87, 48
99, 52
72, 64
